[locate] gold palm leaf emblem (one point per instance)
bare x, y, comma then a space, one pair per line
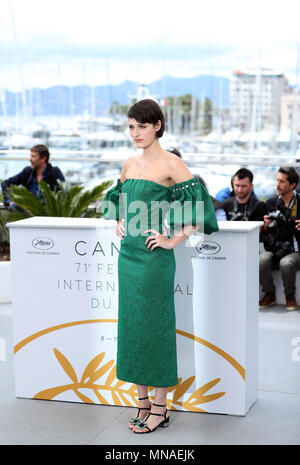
101, 379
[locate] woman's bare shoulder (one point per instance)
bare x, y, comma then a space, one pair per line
130, 160
178, 169
127, 163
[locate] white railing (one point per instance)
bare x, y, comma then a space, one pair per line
90, 156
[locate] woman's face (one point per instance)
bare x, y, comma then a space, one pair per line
143, 134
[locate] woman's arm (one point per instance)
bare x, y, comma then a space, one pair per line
120, 228
182, 235
125, 167
180, 173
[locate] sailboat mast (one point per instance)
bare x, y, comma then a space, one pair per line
294, 112
256, 106
108, 82
3, 101
18, 61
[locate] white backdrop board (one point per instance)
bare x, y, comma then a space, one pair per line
65, 302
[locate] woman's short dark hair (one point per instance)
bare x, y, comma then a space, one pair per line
291, 174
148, 111
42, 150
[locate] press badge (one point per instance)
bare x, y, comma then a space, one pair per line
293, 215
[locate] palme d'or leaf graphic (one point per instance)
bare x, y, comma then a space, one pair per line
120, 383
181, 388
199, 394
126, 401
115, 398
200, 397
100, 397
112, 376
90, 375
91, 366
90, 371
120, 393
50, 393
195, 399
66, 365
101, 371
82, 397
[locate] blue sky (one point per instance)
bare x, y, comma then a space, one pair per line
93, 41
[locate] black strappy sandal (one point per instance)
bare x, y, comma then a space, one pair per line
163, 424
134, 421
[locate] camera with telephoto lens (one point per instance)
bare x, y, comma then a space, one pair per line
238, 216
279, 247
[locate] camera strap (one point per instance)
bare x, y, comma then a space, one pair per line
293, 207
249, 206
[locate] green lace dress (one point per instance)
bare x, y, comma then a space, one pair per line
146, 351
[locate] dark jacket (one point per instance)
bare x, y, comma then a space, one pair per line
254, 209
216, 203
24, 178
286, 231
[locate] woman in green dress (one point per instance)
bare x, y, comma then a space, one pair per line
149, 183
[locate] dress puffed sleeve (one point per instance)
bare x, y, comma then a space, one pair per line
110, 207
191, 205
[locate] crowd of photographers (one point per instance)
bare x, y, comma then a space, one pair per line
280, 234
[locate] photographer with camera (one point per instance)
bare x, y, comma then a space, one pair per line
281, 238
243, 205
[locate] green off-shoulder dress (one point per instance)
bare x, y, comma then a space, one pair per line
146, 352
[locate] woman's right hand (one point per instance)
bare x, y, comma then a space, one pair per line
120, 229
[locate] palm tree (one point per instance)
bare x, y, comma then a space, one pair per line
68, 201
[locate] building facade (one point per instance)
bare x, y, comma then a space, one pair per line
255, 99
290, 112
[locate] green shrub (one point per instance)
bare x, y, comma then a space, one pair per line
68, 201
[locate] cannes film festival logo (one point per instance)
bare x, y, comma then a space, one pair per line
208, 248
42, 243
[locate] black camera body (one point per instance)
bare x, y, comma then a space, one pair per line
237, 216
274, 241
276, 218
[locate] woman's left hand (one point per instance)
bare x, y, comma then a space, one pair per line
158, 240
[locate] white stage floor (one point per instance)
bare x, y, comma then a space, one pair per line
273, 419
